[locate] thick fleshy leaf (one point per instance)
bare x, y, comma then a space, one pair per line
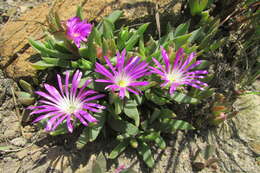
160, 142
130, 109
90, 133
41, 48
146, 154
108, 29
155, 98
122, 126
181, 29
181, 40
135, 37
171, 125
195, 35
114, 16
79, 12
155, 115
41, 65
25, 98
56, 61
183, 98
118, 149
151, 136
26, 86
197, 6
59, 131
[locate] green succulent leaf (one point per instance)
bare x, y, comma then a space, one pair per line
159, 141
217, 44
122, 126
59, 131
108, 29
41, 48
56, 61
183, 98
195, 35
155, 115
26, 86
123, 36
197, 6
90, 133
130, 109
181, 40
171, 125
151, 136
25, 98
42, 65
181, 29
113, 17
155, 98
146, 154
118, 149
135, 37
79, 12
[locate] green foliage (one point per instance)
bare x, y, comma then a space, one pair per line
118, 149
130, 109
91, 132
197, 6
146, 154
171, 125
139, 122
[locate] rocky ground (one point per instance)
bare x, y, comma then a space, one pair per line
25, 148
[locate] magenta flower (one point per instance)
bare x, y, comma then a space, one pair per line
178, 73
120, 168
78, 30
123, 77
69, 103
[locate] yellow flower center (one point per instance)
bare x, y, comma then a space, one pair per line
76, 34
174, 76
171, 78
122, 83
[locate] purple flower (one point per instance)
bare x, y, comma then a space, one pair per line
123, 77
69, 103
78, 30
120, 168
178, 73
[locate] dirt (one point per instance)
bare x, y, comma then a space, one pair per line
29, 149
14, 48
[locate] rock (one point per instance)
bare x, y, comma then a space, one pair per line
26, 6
10, 127
11, 166
16, 51
250, 113
22, 154
20, 142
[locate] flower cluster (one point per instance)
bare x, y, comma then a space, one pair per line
123, 77
71, 103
